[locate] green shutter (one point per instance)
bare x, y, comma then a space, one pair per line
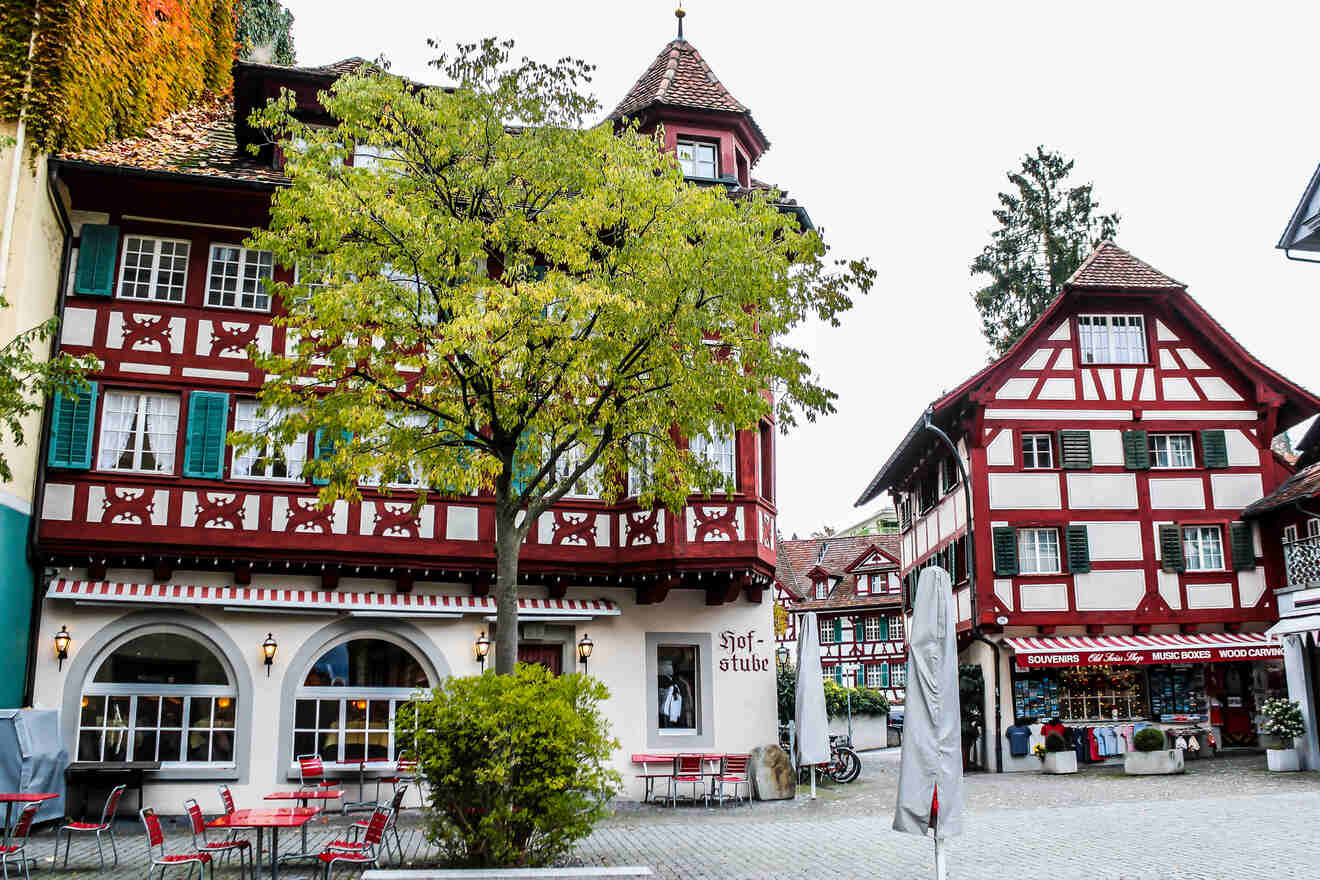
884, 675
208, 419
1136, 450
324, 447
1244, 551
1006, 561
71, 423
523, 470
1079, 550
838, 630
1075, 450
98, 248
1171, 550
1214, 448
884, 628
859, 629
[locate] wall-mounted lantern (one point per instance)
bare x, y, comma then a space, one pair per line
584, 647
268, 649
480, 648
62, 639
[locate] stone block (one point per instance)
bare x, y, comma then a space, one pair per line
772, 774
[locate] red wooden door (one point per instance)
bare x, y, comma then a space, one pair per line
549, 656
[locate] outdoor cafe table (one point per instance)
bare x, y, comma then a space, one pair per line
362, 803
666, 762
302, 796
274, 819
9, 798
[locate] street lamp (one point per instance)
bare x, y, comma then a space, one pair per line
62, 645
480, 648
268, 649
781, 655
585, 646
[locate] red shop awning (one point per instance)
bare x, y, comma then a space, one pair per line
1134, 650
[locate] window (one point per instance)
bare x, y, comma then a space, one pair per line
345, 709
1203, 548
586, 486
698, 159
822, 589
237, 278
1171, 451
929, 492
875, 675
274, 461
153, 268
875, 629
1112, 339
826, 631
642, 453
948, 475
719, 454
767, 461
158, 697
1290, 533
676, 687
1037, 452
896, 628
139, 432
863, 584
898, 675
1038, 551
1312, 527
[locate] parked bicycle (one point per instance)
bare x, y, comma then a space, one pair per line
845, 764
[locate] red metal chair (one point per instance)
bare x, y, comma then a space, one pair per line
393, 826
311, 774
105, 826
227, 802
405, 773
351, 852
224, 848
156, 839
688, 768
14, 849
733, 771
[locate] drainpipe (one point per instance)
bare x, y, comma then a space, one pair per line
977, 634
11, 199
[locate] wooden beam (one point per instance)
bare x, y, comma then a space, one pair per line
96, 570
722, 593
753, 593
1233, 626
1045, 630
481, 583
330, 580
654, 592
405, 582
1095, 629
243, 573
1184, 628
162, 570
557, 588
1141, 629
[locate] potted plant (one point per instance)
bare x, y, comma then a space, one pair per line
1055, 755
1283, 720
1152, 756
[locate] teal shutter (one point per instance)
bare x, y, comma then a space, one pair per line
838, 675
1136, 450
1079, 550
859, 629
523, 470
1075, 450
1005, 542
324, 448
1214, 448
838, 630
884, 675
884, 628
1244, 552
98, 248
1171, 550
208, 419
71, 423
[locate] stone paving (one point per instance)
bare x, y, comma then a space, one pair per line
1226, 818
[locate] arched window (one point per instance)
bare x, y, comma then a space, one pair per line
162, 697
344, 710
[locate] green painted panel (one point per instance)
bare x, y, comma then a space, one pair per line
16, 578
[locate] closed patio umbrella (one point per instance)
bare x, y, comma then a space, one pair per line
810, 719
932, 738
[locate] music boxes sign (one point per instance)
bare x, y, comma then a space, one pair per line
740, 650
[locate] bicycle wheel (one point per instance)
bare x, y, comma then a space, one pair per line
850, 763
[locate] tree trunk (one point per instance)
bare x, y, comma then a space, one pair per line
508, 541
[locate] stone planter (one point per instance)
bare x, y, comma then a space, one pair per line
1059, 762
1283, 760
1161, 763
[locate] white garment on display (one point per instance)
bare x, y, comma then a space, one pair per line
673, 704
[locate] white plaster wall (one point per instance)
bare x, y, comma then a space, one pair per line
1058, 388
1167, 584
1209, 596
1018, 491
1000, 450
1044, 597
1242, 452
1179, 388
1109, 590
1106, 448
1102, 491
1251, 586
1233, 491
743, 702
1018, 388
1177, 493
1113, 541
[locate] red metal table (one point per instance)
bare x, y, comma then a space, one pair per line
274, 819
362, 803
303, 796
9, 798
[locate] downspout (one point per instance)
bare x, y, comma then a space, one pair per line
11, 199
977, 634
39, 490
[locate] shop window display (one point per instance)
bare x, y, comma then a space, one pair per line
1081, 693
1177, 693
677, 688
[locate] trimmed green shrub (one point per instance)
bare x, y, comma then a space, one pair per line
865, 701
1149, 739
514, 765
1056, 743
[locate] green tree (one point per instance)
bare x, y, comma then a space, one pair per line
264, 32
496, 297
1047, 227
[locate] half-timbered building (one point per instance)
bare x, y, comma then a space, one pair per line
178, 558
1092, 517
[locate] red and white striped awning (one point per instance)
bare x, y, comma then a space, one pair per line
320, 601
1137, 650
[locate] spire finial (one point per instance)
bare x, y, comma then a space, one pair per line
678, 14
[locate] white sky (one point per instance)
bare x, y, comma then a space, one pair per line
894, 124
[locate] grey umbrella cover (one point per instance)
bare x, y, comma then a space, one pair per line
811, 722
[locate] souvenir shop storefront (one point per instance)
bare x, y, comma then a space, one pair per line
1202, 689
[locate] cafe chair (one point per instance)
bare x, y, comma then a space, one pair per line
223, 848
15, 849
733, 771
688, 768
227, 802
156, 840
405, 773
365, 854
105, 826
311, 774
392, 827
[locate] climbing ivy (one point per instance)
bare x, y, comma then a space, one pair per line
264, 23
106, 69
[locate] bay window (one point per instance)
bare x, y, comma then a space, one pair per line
698, 159
719, 453
139, 432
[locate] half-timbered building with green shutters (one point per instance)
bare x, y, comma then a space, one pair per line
1088, 504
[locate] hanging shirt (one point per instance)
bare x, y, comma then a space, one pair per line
1019, 739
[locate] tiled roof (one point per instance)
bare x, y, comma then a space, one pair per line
1299, 487
1110, 266
334, 69
784, 572
798, 557
679, 77
198, 140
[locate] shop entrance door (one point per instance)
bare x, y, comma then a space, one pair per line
1239, 706
549, 656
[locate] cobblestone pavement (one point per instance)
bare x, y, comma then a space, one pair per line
1226, 818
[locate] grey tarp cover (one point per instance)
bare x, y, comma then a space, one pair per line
810, 720
932, 728
32, 758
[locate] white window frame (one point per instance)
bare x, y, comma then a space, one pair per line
897, 676
1033, 545
863, 585
691, 166
154, 281
641, 465
254, 423
873, 676
1201, 544
589, 484
1035, 439
1098, 343
873, 629
1313, 527
138, 432
720, 452
822, 589
1186, 455
1290, 533
826, 626
246, 257
896, 628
